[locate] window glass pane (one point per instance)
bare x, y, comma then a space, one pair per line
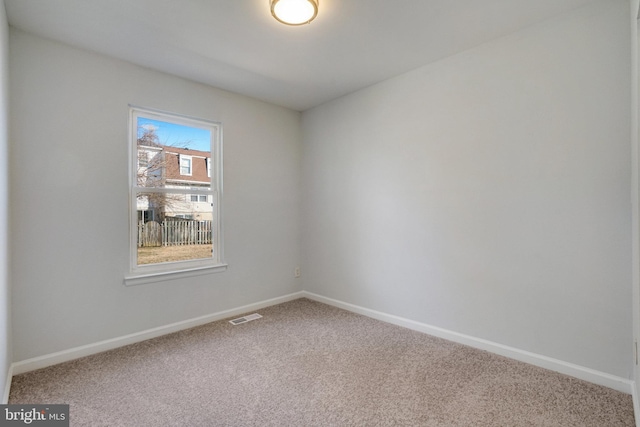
168, 230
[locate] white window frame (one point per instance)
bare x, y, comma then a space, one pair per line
148, 273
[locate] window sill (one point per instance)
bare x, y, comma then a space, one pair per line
160, 276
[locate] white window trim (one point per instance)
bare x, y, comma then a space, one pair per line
141, 279
149, 273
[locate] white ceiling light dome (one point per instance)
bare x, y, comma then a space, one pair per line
294, 12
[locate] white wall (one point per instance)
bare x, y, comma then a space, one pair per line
69, 201
488, 193
5, 312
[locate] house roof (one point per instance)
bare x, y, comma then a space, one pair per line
185, 151
199, 165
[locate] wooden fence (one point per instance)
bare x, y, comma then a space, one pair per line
174, 232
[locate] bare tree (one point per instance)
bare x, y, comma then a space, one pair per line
151, 173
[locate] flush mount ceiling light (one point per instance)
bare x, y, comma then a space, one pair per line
294, 12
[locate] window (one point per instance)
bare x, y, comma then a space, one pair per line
185, 165
143, 159
176, 165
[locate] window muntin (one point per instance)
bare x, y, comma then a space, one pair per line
175, 216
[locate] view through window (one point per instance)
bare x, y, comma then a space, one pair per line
176, 174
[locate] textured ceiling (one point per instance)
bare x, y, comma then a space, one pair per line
236, 45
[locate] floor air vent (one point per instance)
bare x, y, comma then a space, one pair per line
245, 319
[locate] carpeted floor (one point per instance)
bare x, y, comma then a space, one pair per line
308, 364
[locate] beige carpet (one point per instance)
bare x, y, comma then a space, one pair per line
309, 364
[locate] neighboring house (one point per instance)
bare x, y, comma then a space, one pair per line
148, 173
179, 168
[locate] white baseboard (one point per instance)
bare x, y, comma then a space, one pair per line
89, 349
576, 371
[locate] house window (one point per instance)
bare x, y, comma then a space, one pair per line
185, 165
143, 159
180, 238
199, 198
